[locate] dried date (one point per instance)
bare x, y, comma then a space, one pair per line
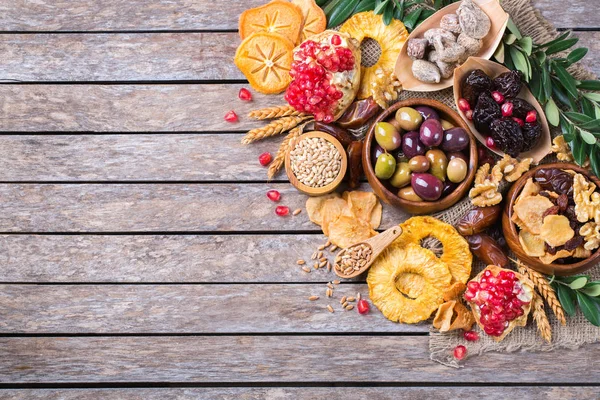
339, 133
359, 113
354, 164
556, 180
487, 250
478, 219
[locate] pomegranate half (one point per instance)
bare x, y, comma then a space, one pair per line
500, 300
325, 75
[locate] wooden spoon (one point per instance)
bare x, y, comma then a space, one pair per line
376, 245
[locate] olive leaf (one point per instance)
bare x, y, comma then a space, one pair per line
592, 290
565, 297
552, 113
589, 308
578, 283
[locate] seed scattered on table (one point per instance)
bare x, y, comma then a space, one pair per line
329, 308
316, 265
350, 299
357, 296
300, 262
333, 248
343, 300
314, 256
328, 266
329, 292
306, 269
349, 307
320, 255
329, 285
313, 298
336, 282
345, 304
297, 211
328, 243
321, 247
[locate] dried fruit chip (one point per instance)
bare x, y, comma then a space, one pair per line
533, 245
346, 231
361, 204
314, 18
556, 230
530, 188
314, 206
414, 259
530, 210
376, 215
332, 210
582, 252
550, 258
455, 291
275, 17
453, 315
265, 59
443, 316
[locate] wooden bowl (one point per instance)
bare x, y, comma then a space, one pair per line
420, 207
512, 237
318, 191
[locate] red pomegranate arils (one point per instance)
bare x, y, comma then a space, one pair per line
463, 105
489, 142
362, 306
265, 159
531, 116
471, 336
274, 195
231, 116
282, 211
519, 121
245, 94
460, 352
507, 109
469, 115
498, 97
336, 40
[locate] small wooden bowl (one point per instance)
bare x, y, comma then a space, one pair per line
512, 236
318, 191
420, 207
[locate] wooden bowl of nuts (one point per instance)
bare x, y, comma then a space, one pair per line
540, 223
316, 163
419, 155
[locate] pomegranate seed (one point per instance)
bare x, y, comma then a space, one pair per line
498, 97
460, 352
469, 115
362, 306
274, 195
282, 211
231, 116
336, 40
471, 336
245, 94
463, 105
519, 121
507, 109
531, 116
489, 142
265, 159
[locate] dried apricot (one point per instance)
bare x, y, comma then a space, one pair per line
314, 18
275, 17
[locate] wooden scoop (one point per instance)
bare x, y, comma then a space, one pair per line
375, 245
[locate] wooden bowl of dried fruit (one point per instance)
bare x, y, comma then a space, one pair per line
541, 225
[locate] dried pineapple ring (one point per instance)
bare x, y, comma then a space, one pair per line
265, 59
277, 16
315, 20
456, 253
390, 38
386, 270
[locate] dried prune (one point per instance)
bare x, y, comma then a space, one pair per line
485, 112
531, 135
507, 135
509, 83
574, 243
521, 108
477, 82
555, 179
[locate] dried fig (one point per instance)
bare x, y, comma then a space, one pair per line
426, 71
473, 21
487, 250
451, 23
472, 46
478, 219
417, 48
438, 34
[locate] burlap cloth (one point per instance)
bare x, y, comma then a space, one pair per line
578, 330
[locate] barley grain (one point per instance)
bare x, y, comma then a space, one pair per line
314, 256
336, 282
329, 308
297, 211
350, 298
313, 298
342, 300
306, 269
300, 262
349, 307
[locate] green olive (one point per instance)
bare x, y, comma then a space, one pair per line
385, 166
418, 164
407, 193
402, 175
395, 123
439, 163
446, 124
457, 170
387, 136
409, 118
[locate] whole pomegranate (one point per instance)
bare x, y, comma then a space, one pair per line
326, 75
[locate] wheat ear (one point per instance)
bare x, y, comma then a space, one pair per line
274, 112
541, 319
284, 147
274, 128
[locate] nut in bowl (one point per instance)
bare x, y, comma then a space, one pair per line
419, 155
551, 219
316, 163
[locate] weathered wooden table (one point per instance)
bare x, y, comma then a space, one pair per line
139, 256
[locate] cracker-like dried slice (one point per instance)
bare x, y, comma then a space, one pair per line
376, 215
361, 204
556, 230
582, 252
530, 188
314, 206
550, 258
530, 211
332, 210
278, 16
346, 231
455, 291
533, 245
453, 315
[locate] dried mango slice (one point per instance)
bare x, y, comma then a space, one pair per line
265, 60
413, 259
533, 245
556, 230
376, 215
332, 210
314, 206
530, 211
550, 258
275, 17
346, 231
361, 204
314, 18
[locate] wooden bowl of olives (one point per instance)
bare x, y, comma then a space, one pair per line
419, 155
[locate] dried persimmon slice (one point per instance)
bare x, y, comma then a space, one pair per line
275, 17
315, 20
265, 59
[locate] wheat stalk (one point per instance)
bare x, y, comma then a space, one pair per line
274, 112
284, 147
543, 287
541, 319
273, 128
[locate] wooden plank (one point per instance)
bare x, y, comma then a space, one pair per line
119, 57
196, 359
175, 309
139, 57
133, 157
126, 108
155, 208
111, 15
308, 393
159, 258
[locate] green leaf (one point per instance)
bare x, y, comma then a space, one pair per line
591, 96
526, 44
569, 279
566, 79
561, 96
512, 28
566, 298
411, 18
578, 283
580, 150
379, 8
519, 61
332, 5
578, 117
388, 13
364, 5
589, 308
321, 3
558, 39
577, 55
561, 46
540, 56
589, 85
510, 39
499, 53
592, 290
342, 13
587, 107
552, 114
595, 161
546, 82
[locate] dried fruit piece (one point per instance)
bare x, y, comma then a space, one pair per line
532, 132
549, 258
487, 249
473, 20
476, 83
376, 216
453, 315
314, 206
451, 23
278, 16
346, 231
554, 179
507, 136
332, 210
265, 60
426, 71
361, 204
486, 111
556, 230
509, 83
416, 48
314, 18
478, 219
530, 211
533, 245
